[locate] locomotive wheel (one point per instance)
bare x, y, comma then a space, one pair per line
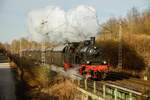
92, 74
99, 75
83, 71
103, 75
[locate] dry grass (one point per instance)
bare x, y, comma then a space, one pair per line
64, 90
37, 76
141, 43
41, 87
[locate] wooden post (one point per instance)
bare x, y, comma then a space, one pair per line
85, 84
78, 82
94, 85
115, 94
104, 90
130, 96
85, 97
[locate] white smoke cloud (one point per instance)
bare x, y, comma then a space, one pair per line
75, 25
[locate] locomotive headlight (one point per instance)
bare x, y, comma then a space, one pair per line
88, 62
104, 62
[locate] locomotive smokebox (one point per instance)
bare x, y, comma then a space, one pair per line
92, 40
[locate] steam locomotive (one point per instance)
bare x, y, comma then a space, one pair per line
84, 54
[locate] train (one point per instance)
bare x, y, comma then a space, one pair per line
84, 54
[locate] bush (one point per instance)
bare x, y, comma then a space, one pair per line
38, 76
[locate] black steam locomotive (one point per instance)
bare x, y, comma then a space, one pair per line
84, 54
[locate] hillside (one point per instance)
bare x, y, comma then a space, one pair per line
135, 29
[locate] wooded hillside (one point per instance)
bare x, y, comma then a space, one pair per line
135, 28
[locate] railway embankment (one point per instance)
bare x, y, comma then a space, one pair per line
37, 82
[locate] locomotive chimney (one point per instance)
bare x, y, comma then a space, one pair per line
92, 40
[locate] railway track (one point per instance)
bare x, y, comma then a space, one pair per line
131, 83
136, 86
127, 84
142, 82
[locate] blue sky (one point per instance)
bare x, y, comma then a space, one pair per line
13, 13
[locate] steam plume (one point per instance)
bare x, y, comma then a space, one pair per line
75, 25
